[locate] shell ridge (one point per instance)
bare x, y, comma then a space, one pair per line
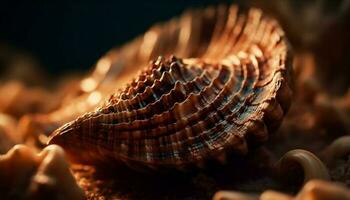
216, 80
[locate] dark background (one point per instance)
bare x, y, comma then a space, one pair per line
70, 36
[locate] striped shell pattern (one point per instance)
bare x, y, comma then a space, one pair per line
183, 111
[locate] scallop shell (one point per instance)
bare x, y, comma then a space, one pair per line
179, 112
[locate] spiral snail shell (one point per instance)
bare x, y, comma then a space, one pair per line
183, 111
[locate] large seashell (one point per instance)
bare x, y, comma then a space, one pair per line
179, 112
25, 175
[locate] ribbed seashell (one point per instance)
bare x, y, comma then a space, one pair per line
196, 34
27, 175
180, 112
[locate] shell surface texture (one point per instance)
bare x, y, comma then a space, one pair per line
179, 112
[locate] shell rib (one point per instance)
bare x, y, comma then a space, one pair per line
179, 112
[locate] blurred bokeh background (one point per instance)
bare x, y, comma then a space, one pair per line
70, 36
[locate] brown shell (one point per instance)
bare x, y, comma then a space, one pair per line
179, 112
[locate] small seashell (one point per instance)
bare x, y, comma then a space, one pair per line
273, 195
26, 175
180, 112
321, 190
339, 148
314, 189
304, 161
229, 195
267, 195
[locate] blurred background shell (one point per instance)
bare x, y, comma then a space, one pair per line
27, 175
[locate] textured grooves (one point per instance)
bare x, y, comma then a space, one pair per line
181, 112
